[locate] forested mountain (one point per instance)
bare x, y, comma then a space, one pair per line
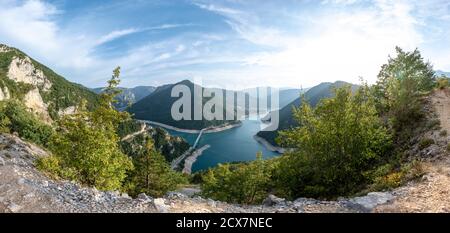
157, 107
38, 87
313, 95
129, 95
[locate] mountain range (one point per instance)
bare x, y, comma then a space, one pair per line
312, 95
440, 72
128, 95
157, 107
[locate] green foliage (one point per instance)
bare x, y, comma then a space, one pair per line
62, 93
389, 176
400, 85
15, 118
128, 127
442, 82
238, 183
169, 146
86, 148
158, 105
313, 96
152, 174
425, 142
335, 143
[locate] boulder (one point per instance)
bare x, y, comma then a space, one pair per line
272, 200
371, 200
160, 205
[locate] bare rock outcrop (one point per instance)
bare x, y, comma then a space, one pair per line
4, 93
23, 70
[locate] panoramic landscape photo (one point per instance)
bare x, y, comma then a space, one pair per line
227, 106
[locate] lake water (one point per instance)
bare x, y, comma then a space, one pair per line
236, 144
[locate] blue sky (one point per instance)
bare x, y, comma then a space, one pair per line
229, 43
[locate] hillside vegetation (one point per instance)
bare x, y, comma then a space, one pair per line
349, 143
157, 107
60, 95
313, 96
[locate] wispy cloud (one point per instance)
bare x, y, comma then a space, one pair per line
279, 43
116, 34
125, 32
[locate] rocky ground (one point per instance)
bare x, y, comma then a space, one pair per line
25, 189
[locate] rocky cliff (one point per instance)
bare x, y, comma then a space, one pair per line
43, 92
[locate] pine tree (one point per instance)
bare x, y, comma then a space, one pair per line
152, 174
86, 148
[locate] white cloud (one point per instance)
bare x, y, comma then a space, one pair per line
116, 34
333, 45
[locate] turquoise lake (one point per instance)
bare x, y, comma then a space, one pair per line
236, 144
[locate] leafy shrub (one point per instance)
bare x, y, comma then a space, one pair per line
433, 124
443, 133
401, 83
388, 176
425, 142
85, 147
15, 118
335, 144
152, 174
442, 82
246, 183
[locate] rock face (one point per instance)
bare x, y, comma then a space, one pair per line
33, 101
4, 49
67, 111
4, 93
24, 189
23, 70
371, 200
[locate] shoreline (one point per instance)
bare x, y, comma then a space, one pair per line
212, 129
268, 145
191, 159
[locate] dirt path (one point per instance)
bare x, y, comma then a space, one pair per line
129, 136
432, 192
441, 103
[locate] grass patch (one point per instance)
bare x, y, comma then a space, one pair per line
425, 142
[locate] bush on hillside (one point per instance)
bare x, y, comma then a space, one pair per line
15, 118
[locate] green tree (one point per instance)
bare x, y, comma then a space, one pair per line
86, 146
400, 85
14, 117
152, 174
239, 183
332, 147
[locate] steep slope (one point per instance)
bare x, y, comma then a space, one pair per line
24, 189
430, 193
157, 107
43, 91
129, 95
133, 134
313, 95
